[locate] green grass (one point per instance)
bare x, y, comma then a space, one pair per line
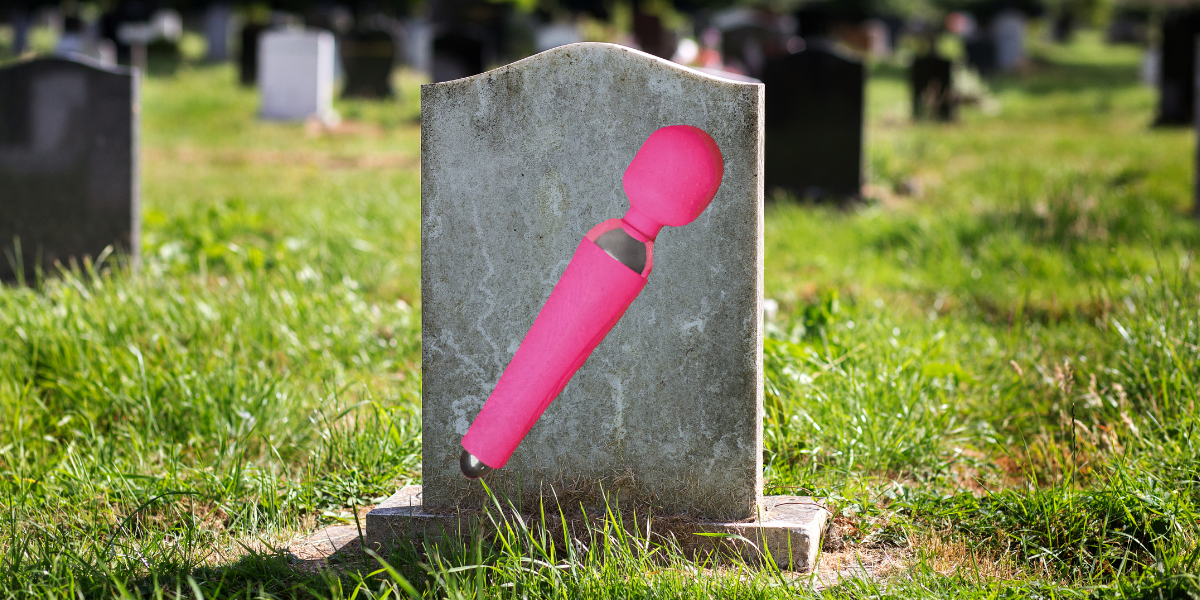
989, 368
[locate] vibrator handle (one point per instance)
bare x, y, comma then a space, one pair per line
588, 300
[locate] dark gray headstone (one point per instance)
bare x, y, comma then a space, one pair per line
68, 162
1176, 81
457, 54
218, 21
248, 58
368, 58
814, 123
981, 54
932, 85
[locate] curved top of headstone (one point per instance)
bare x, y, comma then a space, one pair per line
592, 50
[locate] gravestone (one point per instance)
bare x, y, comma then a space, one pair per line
248, 56
1008, 34
295, 75
456, 54
517, 165
981, 53
931, 82
368, 58
1177, 68
553, 35
68, 162
218, 21
814, 123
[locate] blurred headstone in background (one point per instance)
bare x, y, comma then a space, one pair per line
750, 37
880, 37
650, 34
78, 39
814, 121
295, 75
1008, 35
457, 52
124, 13
1196, 127
981, 53
68, 163
1176, 80
18, 17
1062, 30
1150, 68
368, 58
248, 54
931, 81
553, 35
466, 37
1129, 26
218, 26
334, 18
163, 56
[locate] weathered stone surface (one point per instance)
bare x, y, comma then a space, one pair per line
517, 165
68, 162
789, 528
295, 74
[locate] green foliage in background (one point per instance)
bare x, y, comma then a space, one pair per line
987, 370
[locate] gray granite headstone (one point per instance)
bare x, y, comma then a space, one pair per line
68, 161
517, 165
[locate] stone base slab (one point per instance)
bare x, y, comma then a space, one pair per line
790, 529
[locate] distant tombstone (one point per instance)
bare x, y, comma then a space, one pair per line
517, 165
652, 36
77, 41
1196, 115
1128, 27
981, 54
553, 35
747, 48
815, 122
68, 163
418, 44
295, 75
880, 36
1063, 29
1177, 69
248, 57
456, 54
1008, 33
218, 21
932, 85
1151, 67
163, 57
368, 58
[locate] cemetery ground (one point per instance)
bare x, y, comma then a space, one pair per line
988, 369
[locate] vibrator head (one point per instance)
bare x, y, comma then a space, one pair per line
472, 467
671, 180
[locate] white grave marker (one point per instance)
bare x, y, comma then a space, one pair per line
295, 74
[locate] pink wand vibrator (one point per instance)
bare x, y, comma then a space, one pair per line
671, 180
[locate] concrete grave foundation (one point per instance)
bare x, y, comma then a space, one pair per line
787, 528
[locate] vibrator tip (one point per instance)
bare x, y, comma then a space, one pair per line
472, 468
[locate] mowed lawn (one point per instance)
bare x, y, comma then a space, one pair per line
988, 369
